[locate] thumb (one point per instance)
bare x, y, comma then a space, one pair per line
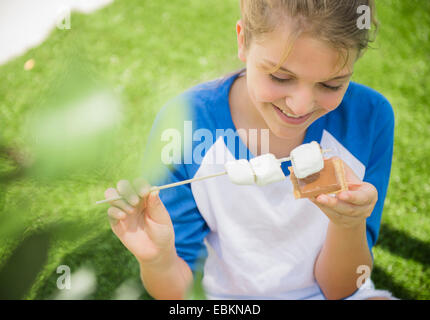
351, 177
155, 208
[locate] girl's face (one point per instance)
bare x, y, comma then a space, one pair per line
308, 85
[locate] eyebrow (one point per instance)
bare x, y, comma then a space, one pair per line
281, 68
292, 73
340, 77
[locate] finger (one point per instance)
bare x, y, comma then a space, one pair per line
337, 217
365, 195
338, 205
126, 190
113, 222
350, 175
354, 186
121, 204
331, 214
116, 213
141, 186
156, 209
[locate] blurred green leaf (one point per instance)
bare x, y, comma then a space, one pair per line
73, 130
23, 266
169, 125
197, 292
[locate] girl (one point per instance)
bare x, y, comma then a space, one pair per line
258, 242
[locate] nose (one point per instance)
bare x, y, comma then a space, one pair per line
301, 101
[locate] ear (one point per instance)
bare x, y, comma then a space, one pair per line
241, 52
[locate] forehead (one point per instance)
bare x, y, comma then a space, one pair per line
309, 57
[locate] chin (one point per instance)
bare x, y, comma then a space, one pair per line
285, 133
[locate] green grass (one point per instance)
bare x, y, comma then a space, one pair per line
150, 51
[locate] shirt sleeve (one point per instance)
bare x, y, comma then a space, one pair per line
379, 168
189, 226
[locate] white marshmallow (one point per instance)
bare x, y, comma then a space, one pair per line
267, 169
240, 172
307, 159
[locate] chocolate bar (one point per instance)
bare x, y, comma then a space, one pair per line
331, 179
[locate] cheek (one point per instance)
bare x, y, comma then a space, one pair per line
264, 91
330, 101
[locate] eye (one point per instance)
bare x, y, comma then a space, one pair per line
276, 79
332, 88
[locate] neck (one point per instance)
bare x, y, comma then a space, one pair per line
282, 147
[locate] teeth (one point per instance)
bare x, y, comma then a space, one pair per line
290, 115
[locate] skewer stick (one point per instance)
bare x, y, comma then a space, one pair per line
289, 158
171, 185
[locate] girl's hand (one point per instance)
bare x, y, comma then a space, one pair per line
349, 208
141, 222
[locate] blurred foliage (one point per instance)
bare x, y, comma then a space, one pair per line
72, 131
21, 269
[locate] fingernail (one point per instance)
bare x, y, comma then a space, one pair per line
134, 200
154, 197
322, 199
344, 196
144, 191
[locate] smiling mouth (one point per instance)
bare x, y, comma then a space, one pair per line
290, 115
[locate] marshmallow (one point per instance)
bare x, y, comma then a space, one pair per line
267, 169
307, 159
240, 172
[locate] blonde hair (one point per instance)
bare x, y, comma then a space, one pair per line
332, 21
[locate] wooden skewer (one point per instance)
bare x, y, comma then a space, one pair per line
171, 185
